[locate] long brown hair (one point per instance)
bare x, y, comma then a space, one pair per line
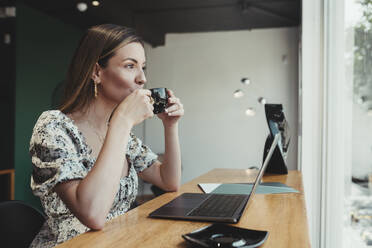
98, 45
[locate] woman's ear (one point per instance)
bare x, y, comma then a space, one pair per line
96, 73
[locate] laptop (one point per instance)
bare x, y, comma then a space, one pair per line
226, 208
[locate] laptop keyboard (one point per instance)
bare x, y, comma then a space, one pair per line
218, 205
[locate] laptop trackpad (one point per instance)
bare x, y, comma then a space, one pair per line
181, 205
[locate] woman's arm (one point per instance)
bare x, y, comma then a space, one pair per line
167, 175
91, 198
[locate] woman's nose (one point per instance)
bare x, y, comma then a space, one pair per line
141, 78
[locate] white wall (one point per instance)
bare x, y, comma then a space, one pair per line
312, 104
204, 69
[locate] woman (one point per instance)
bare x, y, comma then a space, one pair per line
85, 159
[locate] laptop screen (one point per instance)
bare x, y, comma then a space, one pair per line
266, 162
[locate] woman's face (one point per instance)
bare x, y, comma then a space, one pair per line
124, 73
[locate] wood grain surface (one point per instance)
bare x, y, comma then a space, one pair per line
283, 215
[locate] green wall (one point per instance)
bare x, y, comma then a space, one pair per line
44, 47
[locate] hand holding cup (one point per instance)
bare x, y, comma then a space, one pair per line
167, 106
159, 99
136, 107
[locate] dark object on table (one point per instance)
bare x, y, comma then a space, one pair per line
277, 125
222, 235
227, 208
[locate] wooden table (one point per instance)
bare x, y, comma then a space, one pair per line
283, 215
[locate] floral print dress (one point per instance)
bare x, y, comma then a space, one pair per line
59, 153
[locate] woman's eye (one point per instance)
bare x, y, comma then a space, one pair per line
144, 68
130, 66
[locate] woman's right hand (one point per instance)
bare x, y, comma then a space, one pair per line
135, 108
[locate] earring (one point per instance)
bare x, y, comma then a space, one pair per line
95, 89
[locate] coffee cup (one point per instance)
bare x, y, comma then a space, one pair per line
160, 99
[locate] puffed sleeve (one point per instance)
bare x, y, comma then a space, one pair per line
55, 154
139, 155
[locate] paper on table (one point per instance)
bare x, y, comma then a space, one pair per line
208, 187
235, 188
